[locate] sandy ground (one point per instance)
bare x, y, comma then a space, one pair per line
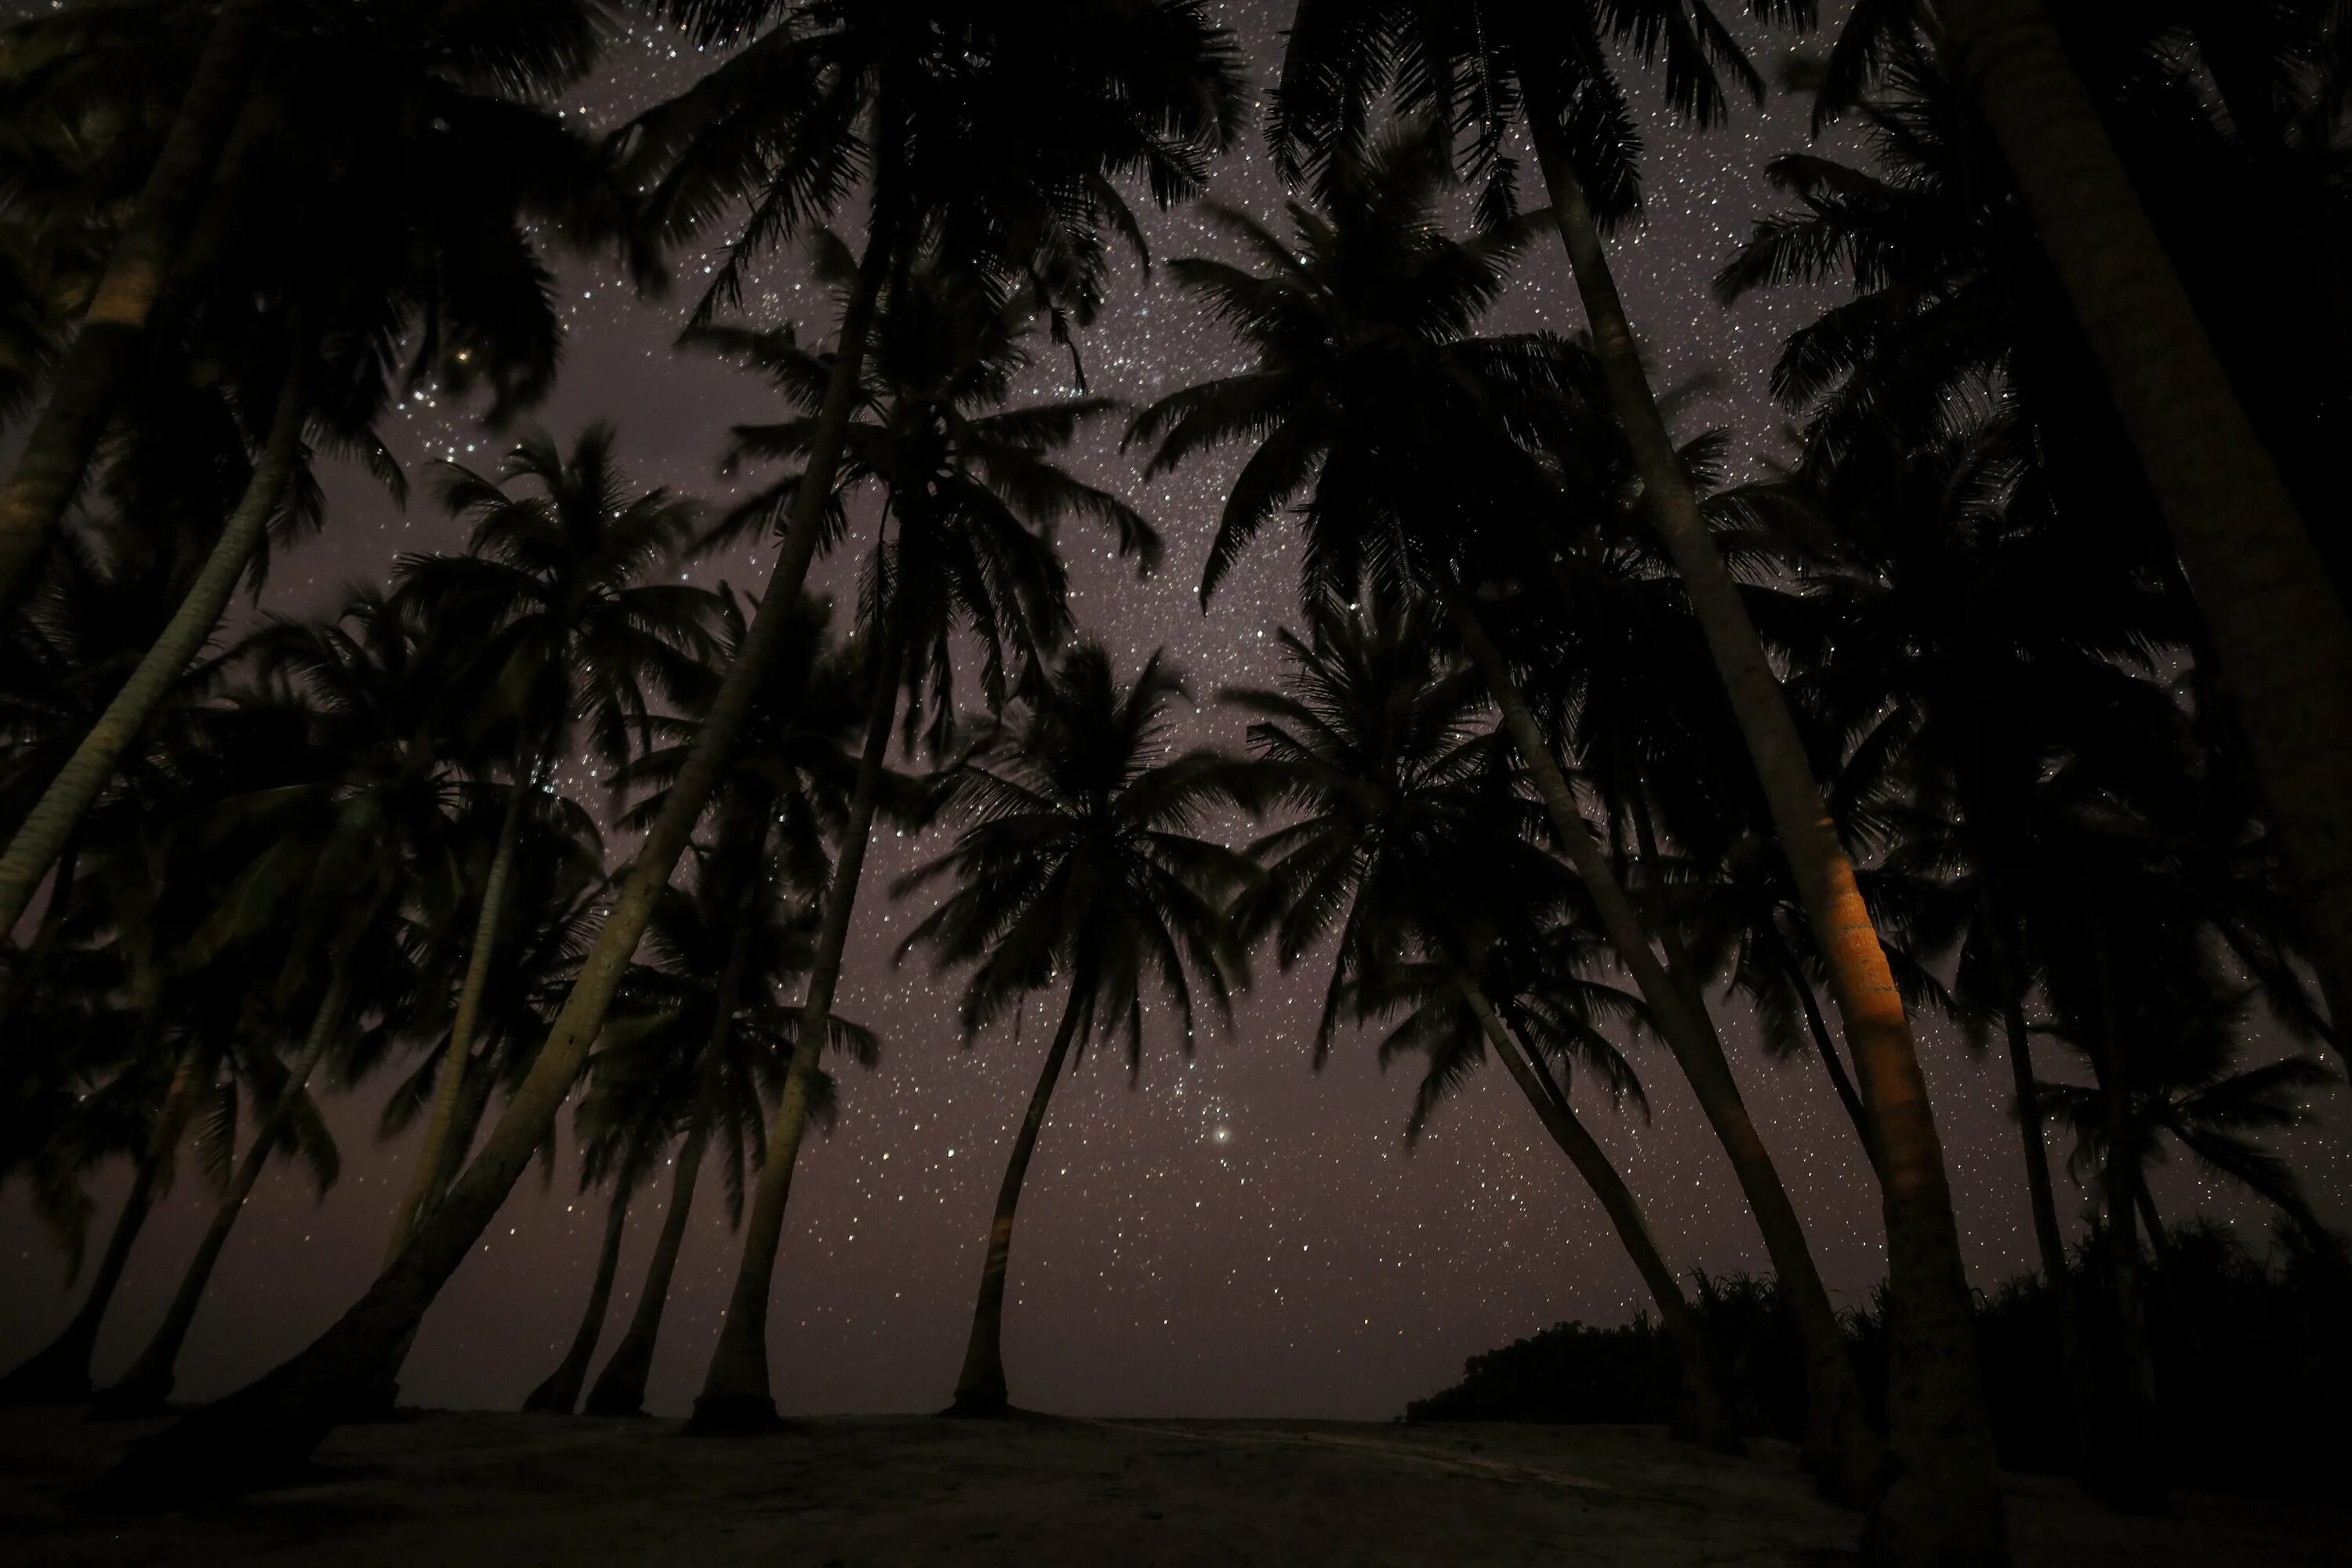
513, 1490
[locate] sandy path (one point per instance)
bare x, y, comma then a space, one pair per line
479, 1488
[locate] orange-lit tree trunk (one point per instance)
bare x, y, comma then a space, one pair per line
1943, 1502
1840, 1448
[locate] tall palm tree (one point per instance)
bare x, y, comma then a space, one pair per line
971, 494
2260, 578
1376, 741
565, 629
1497, 66
1408, 440
1029, 112
702, 1047
405, 238
1081, 858
50, 469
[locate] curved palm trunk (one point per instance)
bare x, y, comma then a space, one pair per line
1943, 1502
24, 982
1831, 1062
736, 1396
2130, 1470
1840, 1448
149, 1381
59, 1371
1709, 1413
50, 469
2277, 624
979, 1387
561, 1390
425, 1181
276, 1421
52, 821
621, 1387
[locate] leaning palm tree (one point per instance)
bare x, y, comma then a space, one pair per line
1409, 442
2259, 575
1082, 863
973, 492
48, 470
1001, 128
1495, 67
413, 198
564, 630
1377, 742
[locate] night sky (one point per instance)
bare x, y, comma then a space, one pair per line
1235, 1234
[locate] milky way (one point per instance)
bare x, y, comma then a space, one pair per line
1234, 1234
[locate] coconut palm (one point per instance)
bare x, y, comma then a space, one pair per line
1080, 861
1499, 66
972, 493
48, 470
404, 225
566, 633
1029, 113
2260, 577
1378, 743
702, 1047
1412, 445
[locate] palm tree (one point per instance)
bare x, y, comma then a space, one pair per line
563, 637
701, 1046
1369, 398
50, 469
423, 183
1500, 65
1376, 741
2259, 577
1028, 114
972, 495
1081, 858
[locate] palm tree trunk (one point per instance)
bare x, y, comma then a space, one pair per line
59, 1372
149, 1381
1840, 1448
276, 1421
2280, 628
25, 980
50, 469
2131, 1472
51, 823
425, 1181
736, 1395
1943, 1503
1711, 1415
980, 1386
621, 1387
1831, 1062
561, 1392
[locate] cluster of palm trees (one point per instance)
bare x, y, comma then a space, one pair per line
2018, 694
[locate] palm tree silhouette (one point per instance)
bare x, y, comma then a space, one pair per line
1367, 397
1080, 858
1377, 742
566, 627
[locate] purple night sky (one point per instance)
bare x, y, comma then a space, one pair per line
1236, 1234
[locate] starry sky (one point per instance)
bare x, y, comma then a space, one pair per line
1234, 1234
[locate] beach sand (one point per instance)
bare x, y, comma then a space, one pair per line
460, 1488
